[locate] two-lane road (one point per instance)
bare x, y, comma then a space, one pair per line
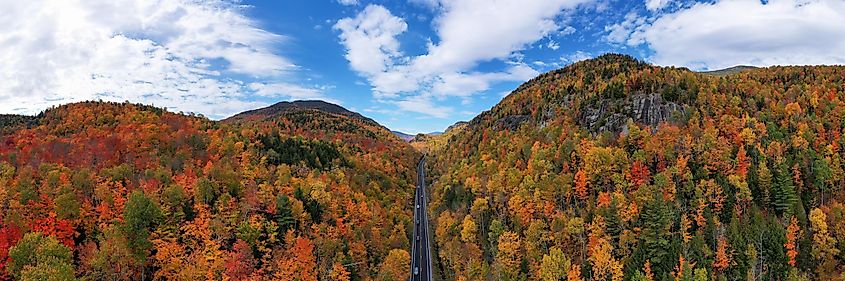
420, 253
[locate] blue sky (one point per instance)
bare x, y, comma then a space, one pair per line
414, 66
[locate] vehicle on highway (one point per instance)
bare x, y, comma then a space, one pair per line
416, 270
418, 206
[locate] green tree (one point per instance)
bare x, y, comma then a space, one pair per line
783, 193
284, 215
657, 222
495, 230
139, 215
37, 257
821, 177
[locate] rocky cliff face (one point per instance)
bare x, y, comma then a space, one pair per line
611, 115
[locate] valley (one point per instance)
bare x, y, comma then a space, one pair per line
607, 169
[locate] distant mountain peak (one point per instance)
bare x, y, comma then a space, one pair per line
287, 106
730, 70
403, 136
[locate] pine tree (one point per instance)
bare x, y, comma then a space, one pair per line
284, 215
783, 190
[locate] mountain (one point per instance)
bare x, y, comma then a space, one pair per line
435, 140
299, 105
729, 70
612, 168
607, 169
403, 136
130, 192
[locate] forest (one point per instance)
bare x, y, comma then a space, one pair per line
607, 169
120, 191
615, 169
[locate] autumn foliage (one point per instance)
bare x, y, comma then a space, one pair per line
637, 172
132, 192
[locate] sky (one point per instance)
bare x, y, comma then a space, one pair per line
412, 65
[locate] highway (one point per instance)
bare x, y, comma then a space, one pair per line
420, 249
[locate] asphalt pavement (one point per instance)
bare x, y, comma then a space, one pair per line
421, 245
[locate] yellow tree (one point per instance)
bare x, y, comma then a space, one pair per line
600, 250
469, 230
395, 266
554, 265
824, 246
509, 256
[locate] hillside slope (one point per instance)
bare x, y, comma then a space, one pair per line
135, 192
614, 168
292, 106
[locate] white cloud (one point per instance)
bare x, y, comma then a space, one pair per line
567, 30
469, 32
732, 32
466, 84
424, 105
348, 2
472, 31
553, 45
654, 5
619, 33
370, 39
287, 90
576, 57
176, 54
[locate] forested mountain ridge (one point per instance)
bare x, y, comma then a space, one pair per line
293, 106
10, 122
612, 168
118, 191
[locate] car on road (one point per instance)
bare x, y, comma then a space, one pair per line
418, 206
418, 238
416, 270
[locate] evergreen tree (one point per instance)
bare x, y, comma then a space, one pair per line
284, 215
657, 222
783, 190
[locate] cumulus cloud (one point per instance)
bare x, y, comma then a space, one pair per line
731, 32
469, 32
472, 31
175, 54
370, 38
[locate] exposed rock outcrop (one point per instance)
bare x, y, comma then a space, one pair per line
609, 115
511, 122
